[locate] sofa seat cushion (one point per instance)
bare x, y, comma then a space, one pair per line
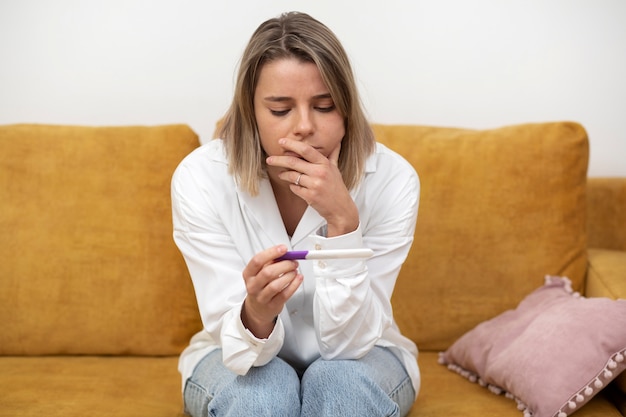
122, 386
92, 386
443, 393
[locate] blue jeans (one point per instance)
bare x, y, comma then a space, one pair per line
375, 385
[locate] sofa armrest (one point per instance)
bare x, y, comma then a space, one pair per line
606, 277
606, 217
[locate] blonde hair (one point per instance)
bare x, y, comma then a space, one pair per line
294, 35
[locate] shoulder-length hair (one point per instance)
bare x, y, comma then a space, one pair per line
294, 35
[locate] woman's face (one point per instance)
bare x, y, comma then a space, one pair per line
291, 101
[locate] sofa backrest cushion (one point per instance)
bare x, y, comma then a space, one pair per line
89, 265
499, 210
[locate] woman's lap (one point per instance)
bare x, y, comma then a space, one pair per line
375, 385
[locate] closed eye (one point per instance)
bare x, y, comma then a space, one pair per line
325, 109
279, 112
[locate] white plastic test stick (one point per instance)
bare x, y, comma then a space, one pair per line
327, 254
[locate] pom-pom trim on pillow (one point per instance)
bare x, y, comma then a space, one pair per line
602, 379
461, 357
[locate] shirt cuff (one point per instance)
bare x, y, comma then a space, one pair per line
352, 240
242, 350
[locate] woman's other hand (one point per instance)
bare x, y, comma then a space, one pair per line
316, 179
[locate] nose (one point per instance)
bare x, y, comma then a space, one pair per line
303, 125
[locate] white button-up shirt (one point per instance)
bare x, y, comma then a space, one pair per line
343, 307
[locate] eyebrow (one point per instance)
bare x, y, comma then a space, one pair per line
281, 99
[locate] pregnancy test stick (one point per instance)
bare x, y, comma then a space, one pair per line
327, 254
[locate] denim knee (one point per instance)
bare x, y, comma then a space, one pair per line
271, 390
344, 387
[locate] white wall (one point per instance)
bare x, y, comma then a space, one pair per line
480, 63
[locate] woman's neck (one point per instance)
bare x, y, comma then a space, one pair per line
291, 206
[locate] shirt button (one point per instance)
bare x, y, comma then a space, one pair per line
321, 264
318, 246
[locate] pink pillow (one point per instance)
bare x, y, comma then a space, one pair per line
551, 354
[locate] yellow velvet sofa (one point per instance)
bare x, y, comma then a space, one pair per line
96, 302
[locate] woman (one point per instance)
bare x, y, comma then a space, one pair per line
296, 168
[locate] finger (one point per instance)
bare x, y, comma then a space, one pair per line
291, 163
270, 304
272, 294
334, 155
298, 179
303, 150
271, 278
292, 287
278, 287
282, 289
261, 259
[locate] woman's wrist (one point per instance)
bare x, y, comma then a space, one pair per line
260, 328
339, 230
342, 225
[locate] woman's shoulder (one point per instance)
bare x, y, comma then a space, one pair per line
387, 160
206, 163
390, 189
388, 176
210, 152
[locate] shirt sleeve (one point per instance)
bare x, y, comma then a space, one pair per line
352, 304
215, 266
241, 350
